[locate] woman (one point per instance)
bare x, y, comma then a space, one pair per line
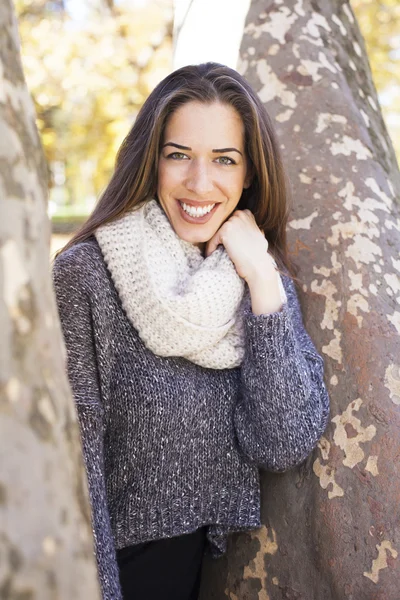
187, 356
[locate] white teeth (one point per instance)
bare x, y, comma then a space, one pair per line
197, 212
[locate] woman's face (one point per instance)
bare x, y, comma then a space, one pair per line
202, 169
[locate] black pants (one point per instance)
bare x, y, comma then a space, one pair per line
167, 569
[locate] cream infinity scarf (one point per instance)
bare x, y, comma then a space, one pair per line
181, 303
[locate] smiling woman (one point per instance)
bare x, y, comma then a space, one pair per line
187, 355
201, 185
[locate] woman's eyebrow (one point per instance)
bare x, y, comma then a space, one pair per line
220, 150
217, 150
177, 146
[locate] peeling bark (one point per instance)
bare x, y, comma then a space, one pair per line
46, 546
331, 527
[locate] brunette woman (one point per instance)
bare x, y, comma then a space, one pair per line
187, 356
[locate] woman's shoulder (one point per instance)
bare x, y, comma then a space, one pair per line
83, 261
289, 285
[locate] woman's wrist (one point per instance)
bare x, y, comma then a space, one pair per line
265, 292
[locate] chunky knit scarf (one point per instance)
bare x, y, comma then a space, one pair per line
181, 303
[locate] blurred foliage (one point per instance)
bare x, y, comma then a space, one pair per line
89, 70
379, 21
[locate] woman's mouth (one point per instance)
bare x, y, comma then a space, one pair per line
197, 214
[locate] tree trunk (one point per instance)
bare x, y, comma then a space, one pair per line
46, 545
331, 527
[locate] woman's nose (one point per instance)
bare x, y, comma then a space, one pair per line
199, 180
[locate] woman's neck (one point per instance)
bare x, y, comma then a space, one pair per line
202, 246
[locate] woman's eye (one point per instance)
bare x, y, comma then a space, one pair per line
177, 156
225, 160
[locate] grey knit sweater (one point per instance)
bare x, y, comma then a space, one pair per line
170, 446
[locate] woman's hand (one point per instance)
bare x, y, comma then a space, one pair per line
245, 244
247, 247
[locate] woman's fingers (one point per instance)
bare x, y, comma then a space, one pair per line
213, 243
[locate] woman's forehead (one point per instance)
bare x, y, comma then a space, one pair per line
212, 122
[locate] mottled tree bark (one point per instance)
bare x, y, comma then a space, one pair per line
46, 547
331, 527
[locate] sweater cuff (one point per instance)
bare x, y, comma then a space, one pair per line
267, 335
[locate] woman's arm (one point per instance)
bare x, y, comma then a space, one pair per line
284, 406
73, 301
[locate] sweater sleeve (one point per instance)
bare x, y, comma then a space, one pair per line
73, 301
283, 407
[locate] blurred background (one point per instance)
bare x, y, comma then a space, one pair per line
90, 64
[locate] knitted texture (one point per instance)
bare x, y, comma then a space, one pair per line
180, 303
171, 446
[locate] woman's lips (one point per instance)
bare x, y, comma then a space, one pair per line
196, 220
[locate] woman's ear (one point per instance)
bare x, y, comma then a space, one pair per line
249, 177
247, 183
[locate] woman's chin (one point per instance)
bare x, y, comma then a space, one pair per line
197, 240
194, 234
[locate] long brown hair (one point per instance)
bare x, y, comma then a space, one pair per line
135, 175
